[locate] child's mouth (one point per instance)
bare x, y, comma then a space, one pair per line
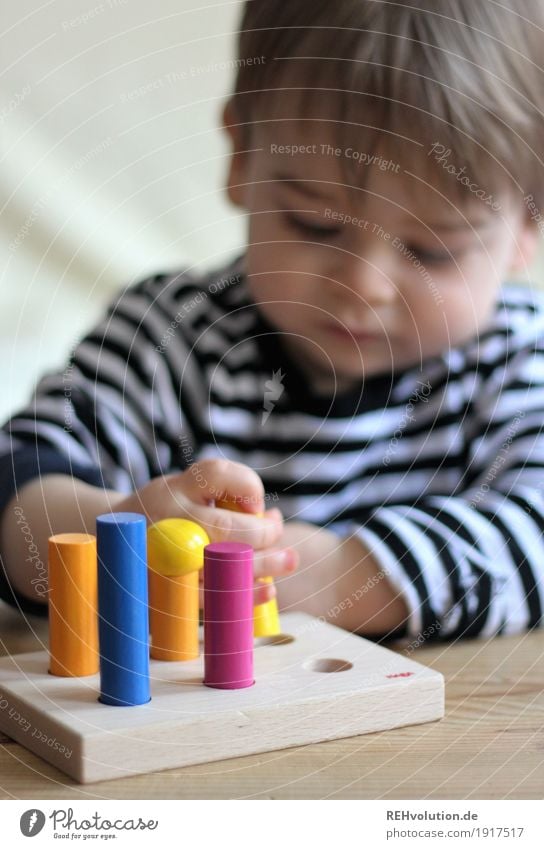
350, 334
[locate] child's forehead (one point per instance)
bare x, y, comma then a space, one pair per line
308, 158
314, 150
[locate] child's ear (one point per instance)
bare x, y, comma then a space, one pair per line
527, 244
237, 175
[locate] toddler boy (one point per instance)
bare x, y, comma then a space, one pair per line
360, 371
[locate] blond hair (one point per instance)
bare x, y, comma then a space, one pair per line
465, 74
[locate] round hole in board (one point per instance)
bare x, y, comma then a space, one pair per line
274, 640
328, 664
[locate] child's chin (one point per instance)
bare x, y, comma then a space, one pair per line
366, 366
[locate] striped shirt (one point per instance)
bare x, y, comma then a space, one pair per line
438, 468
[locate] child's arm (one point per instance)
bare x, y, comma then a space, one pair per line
471, 564
339, 580
111, 421
45, 506
467, 564
58, 503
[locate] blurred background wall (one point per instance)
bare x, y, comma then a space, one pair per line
112, 162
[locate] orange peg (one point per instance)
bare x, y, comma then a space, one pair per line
73, 616
173, 606
175, 555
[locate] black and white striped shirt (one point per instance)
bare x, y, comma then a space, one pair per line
437, 468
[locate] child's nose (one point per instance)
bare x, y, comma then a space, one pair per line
369, 275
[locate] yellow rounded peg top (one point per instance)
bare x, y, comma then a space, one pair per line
175, 547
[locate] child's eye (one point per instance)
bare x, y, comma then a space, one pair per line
428, 257
313, 229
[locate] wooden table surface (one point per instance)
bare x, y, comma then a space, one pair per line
490, 745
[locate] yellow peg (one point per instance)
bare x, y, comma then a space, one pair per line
175, 547
266, 617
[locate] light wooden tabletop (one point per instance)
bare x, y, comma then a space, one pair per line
490, 745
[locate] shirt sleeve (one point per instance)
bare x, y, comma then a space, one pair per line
472, 563
113, 416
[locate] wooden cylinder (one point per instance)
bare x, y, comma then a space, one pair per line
123, 607
173, 616
73, 618
175, 556
266, 615
228, 615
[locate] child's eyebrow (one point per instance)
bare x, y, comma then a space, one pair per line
304, 187
452, 227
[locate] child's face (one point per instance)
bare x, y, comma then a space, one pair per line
412, 275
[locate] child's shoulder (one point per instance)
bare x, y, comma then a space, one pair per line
507, 352
516, 326
516, 329
508, 349
519, 313
219, 287
199, 307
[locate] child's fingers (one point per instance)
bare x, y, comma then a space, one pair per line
275, 563
270, 564
218, 480
230, 526
261, 593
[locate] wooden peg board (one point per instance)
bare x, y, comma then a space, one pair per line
317, 683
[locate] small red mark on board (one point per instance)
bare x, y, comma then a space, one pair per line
400, 675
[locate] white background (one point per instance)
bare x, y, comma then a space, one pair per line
102, 183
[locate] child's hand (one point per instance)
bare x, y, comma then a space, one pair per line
339, 579
191, 495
